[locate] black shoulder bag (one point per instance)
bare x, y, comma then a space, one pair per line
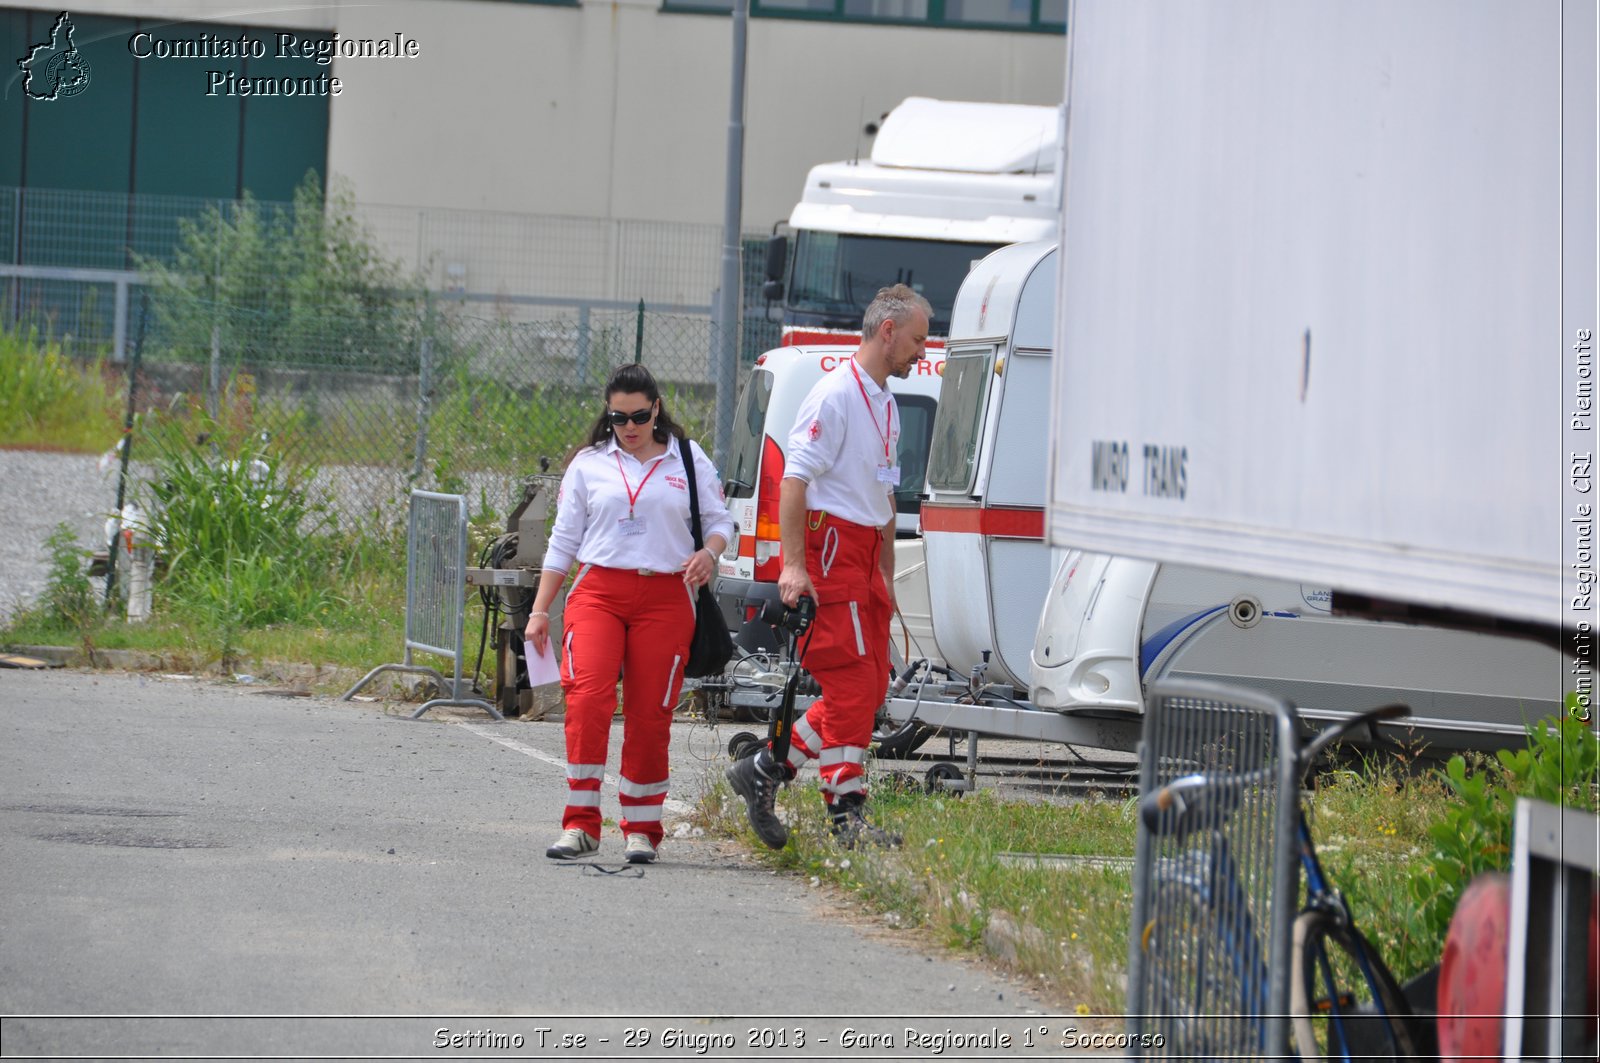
712, 646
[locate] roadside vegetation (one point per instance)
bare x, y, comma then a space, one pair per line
254, 570
53, 401
1045, 890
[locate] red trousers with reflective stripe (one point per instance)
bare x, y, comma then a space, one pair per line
848, 651
622, 621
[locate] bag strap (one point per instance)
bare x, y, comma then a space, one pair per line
694, 494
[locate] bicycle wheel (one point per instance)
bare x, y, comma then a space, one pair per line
1341, 1008
1196, 1001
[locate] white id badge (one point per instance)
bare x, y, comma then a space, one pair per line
630, 526
889, 474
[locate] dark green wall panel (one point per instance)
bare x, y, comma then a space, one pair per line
188, 141
13, 46
285, 135
146, 127
85, 141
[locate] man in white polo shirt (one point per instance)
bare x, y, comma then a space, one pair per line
836, 515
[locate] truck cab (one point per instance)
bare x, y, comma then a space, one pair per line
947, 183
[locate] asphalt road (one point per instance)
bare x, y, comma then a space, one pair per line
335, 879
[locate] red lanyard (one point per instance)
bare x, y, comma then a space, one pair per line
633, 495
888, 417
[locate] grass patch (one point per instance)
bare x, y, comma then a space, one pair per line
361, 626
48, 399
1063, 925
1063, 928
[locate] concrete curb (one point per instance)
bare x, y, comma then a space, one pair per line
548, 705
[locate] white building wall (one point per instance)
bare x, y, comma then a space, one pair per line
616, 109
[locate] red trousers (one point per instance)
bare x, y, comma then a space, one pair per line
848, 652
639, 625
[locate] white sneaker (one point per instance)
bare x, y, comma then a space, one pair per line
573, 842
639, 850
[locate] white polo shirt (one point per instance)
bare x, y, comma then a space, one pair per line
593, 524
846, 446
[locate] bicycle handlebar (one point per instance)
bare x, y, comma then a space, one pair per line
1183, 804
1313, 749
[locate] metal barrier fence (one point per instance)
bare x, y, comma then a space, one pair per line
436, 590
1213, 907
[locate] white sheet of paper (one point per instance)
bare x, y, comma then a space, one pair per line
542, 667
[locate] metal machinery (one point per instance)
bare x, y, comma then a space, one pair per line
507, 579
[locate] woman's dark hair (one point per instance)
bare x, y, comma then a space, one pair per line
632, 379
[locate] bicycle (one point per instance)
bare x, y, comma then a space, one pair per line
1209, 965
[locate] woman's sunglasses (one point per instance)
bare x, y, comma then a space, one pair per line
618, 418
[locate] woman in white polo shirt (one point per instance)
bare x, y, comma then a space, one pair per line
623, 516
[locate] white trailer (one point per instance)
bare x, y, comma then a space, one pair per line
1316, 300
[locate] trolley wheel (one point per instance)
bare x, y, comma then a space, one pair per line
743, 744
505, 678
942, 773
896, 741
1338, 1011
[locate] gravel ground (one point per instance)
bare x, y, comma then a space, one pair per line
37, 492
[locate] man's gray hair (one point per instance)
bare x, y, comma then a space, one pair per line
893, 303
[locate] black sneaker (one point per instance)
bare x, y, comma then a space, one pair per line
756, 779
851, 828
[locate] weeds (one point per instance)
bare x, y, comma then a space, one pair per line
244, 545
1399, 843
50, 399
68, 601
1062, 925
1560, 765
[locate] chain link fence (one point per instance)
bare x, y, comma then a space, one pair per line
480, 362
72, 262
460, 402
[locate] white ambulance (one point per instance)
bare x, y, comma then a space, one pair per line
753, 469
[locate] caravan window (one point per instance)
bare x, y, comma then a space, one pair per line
749, 425
955, 443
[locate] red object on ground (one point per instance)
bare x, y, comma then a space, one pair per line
1472, 973
1594, 960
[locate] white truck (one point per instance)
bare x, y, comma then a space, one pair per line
1078, 633
1318, 304
947, 182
